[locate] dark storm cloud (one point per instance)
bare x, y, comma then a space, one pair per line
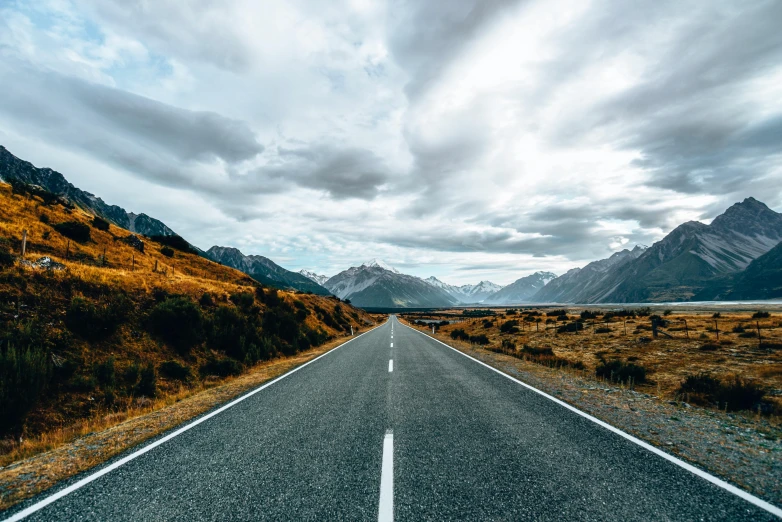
139, 134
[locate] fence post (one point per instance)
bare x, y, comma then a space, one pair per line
625, 323
155, 270
654, 327
760, 339
67, 249
717, 329
24, 242
686, 331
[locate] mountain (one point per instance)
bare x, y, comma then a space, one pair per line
520, 290
13, 168
379, 263
466, 294
762, 279
584, 285
320, 279
691, 259
264, 270
373, 286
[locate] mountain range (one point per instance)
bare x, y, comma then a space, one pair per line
737, 256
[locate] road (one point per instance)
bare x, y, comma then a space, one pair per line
392, 426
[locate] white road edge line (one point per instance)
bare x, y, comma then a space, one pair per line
90, 478
682, 464
390, 365
385, 512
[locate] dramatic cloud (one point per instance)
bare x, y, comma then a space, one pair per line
465, 139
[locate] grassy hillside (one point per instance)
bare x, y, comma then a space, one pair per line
115, 327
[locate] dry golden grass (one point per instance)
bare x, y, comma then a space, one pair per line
668, 361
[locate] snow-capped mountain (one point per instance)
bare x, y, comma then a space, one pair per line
521, 290
466, 294
371, 285
320, 279
264, 270
379, 263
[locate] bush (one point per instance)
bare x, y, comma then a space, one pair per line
602, 330
739, 329
206, 300
734, 395
174, 370
100, 223
74, 230
709, 347
716, 315
546, 356
244, 300
173, 241
761, 315
6, 258
178, 321
621, 372
479, 339
487, 324
509, 326
167, 251
147, 384
748, 335
460, 334
588, 314
106, 373
96, 322
570, 327
221, 367
24, 374
238, 336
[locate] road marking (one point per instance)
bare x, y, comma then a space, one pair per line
90, 478
390, 365
392, 345
386, 507
752, 499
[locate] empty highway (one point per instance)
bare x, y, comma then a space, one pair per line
392, 425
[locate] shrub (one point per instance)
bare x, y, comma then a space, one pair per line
621, 371
739, 329
244, 300
507, 344
716, 315
6, 258
734, 395
167, 251
74, 230
761, 315
174, 370
748, 335
106, 373
221, 367
131, 374
509, 326
602, 330
96, 322
44, 218
479, 339
546, 356
460, 334
24, 374
588, 314
100, 223
709, 347
206, 300
147, 383
562, 317
178, 321
487, 324
570, 327
173, 241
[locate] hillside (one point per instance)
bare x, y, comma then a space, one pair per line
466, 294
264, 270
762, 279
107, 320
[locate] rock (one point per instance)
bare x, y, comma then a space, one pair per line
134, 241
48, 264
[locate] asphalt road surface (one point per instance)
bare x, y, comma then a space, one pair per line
392, 426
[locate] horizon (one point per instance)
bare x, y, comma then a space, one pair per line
465, 141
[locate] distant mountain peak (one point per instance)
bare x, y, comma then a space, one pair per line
318, 278
379, 263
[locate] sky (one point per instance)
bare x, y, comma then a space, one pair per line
469, 139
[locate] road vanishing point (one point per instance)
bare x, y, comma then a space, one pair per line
394, 425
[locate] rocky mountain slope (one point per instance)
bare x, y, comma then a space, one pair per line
13, 168
521, 290
581, 285
762, 279
264, 270
373, 286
